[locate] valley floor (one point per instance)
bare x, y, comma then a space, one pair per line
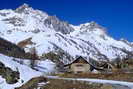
55, 82
118, 76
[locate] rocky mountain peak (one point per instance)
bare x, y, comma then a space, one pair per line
23, 8
59, 26
94, 24
91, 25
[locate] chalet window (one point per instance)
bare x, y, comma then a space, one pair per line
79, 71
79, 65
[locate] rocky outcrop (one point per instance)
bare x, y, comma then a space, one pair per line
8, 74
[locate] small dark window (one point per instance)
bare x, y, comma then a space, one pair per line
79, 65
79, 71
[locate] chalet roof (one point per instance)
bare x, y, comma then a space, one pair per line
77, 60
80, 57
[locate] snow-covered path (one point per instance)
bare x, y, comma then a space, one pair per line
115, 84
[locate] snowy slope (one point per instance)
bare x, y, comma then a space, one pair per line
48, 33
26, 73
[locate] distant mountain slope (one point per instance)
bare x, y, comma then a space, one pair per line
48, 33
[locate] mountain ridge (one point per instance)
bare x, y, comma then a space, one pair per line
48, 34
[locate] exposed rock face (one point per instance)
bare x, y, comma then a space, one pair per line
9, 48
25, 42
59, 26
16, 21
10, 75
23, 9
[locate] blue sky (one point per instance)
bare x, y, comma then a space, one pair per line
115, 15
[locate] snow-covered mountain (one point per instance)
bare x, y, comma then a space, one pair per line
48, 33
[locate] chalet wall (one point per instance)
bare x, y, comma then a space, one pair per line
79, 68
